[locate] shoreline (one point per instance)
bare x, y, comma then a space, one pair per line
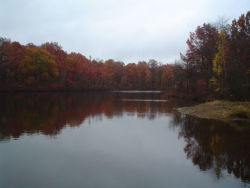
220, 110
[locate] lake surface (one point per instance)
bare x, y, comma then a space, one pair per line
116, 139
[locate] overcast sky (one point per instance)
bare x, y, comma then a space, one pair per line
124, 30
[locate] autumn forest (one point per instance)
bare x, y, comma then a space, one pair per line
216, 64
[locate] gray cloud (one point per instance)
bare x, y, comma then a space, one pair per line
124, 30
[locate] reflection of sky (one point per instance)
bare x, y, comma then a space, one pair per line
124, 30
137, 91
145, 100
118, 152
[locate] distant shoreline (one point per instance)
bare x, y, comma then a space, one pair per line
81, 90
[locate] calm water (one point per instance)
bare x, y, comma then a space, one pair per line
113, 139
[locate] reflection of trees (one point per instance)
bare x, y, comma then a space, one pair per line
48, 113
218, 145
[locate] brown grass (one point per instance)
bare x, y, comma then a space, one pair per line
220, 110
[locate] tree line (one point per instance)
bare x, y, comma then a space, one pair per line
216, 63
48, 66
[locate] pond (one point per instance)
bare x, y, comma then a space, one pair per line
116, 139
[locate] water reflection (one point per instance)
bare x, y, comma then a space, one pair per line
210, 145
48, 113
217, 145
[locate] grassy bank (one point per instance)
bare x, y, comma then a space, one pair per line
226, 110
